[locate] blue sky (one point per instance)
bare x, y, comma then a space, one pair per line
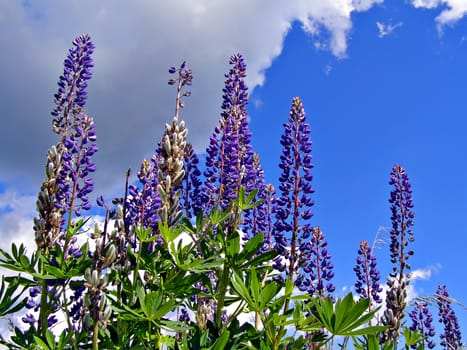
381, 82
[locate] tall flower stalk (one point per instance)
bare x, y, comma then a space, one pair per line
292, 230
170, 160
368, 276
402, 217
230, 157
64, 192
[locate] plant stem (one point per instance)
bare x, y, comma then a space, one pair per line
95, 334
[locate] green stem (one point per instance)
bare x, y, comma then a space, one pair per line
221, 297
67, 315
95, 334
136, 272
44, 308
44, 312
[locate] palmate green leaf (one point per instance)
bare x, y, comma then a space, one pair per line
242, 290
364, 331
50, 339
127, 313
221, 342
251, 248
265, 257
345, 317
151, 304
233, 245
254, 287
324, 312
217, 216
247, 203
350, 315
40, 344
8, 303
169, 234
412, 337
18, 260
269, 291
55, 271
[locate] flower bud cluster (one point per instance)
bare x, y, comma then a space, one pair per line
368, 276
396, 303
47, 226
170, 172
95, 301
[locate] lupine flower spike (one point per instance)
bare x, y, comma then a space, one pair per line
451, 336
422, 322
367, 284
69, 163
191, 200
230, 158
401, 236
67, 185
298, 244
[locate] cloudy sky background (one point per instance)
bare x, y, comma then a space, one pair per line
382, 82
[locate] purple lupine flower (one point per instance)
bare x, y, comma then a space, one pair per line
184, 315
30, 319
51, 320
270, 192
71, 95
292, 208
255, 219
314, 267
367, 284
402, 221
422, 321
143, 200
191, 199
451, 337
74, 181
402, 217
68, 163
230, 158
77, 309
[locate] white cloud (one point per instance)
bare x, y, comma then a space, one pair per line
452, 10
385, 29
135, 45
16, 213
426, 3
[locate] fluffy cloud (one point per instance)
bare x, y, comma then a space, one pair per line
16, 213
453, 10
136, 43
